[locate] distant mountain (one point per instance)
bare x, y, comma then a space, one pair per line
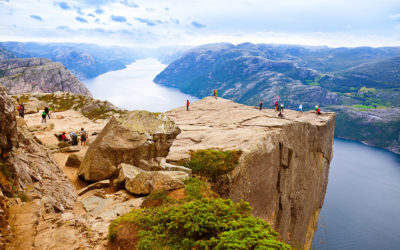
5, 54
364, 80
89, 60
24, 75
84, 60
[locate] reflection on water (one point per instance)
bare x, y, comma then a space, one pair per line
133, 88
362, 204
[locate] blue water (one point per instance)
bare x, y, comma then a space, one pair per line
362, 203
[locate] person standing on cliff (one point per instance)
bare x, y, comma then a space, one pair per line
276, 106
301, 108
281, 107
261, 103
21, 110
84, 136
46, 109
187, 105
216, 94
44, 114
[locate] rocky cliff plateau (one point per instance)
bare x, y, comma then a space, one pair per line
282, 171
25, 75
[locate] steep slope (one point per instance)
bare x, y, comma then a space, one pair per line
283, 169
23, 75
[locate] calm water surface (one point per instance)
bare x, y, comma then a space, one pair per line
362, 203
133, 88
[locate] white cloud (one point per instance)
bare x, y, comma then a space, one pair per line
316, 22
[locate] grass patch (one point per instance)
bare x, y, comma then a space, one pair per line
360, 106
200, 224
212, 163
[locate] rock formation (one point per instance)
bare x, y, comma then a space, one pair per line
141, 182
31, 163
23, 75
139, 138
283, 169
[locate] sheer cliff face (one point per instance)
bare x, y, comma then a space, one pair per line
283, 170
23, 75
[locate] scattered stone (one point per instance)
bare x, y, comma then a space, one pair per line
170, 167
141, 182
63, 144
137, 138
97, 185
70, 149
74, 160
59, 117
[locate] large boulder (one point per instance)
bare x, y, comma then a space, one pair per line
139, 138
141, 182
74, 161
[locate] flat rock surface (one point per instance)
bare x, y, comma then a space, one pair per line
221, 123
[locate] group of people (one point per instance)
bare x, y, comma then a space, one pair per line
73, 137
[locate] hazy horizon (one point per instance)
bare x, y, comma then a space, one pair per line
157, 23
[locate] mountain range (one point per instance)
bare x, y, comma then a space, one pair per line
338, 79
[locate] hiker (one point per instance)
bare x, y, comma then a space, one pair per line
21, 110
214, 92
46, 109
84, 136
280, 113
316, 108
281, 107
261, 103
187, 105
44, 114
276, 106
301, 108
74, 138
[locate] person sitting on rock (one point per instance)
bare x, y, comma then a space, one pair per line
84, 136
44, 114
64, 137
318, 112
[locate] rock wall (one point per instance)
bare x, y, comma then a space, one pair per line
24, 75
283, 170
30, 166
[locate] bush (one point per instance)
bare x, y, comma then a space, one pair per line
203, 224
211, 163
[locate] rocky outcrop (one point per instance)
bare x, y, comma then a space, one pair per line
283, 169
34, 170
140, 182
24, 75
139, 138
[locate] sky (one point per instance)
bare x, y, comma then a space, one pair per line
156, 23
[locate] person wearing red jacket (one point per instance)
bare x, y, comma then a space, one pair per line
187, 105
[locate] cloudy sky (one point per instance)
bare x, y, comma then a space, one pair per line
157, 23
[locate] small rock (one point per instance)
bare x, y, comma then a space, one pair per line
59, 117
74, 160
97, 185
170, 167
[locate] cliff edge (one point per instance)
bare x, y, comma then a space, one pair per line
284, 166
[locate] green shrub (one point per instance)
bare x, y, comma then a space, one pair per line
194, 189
211, 163
201, 224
